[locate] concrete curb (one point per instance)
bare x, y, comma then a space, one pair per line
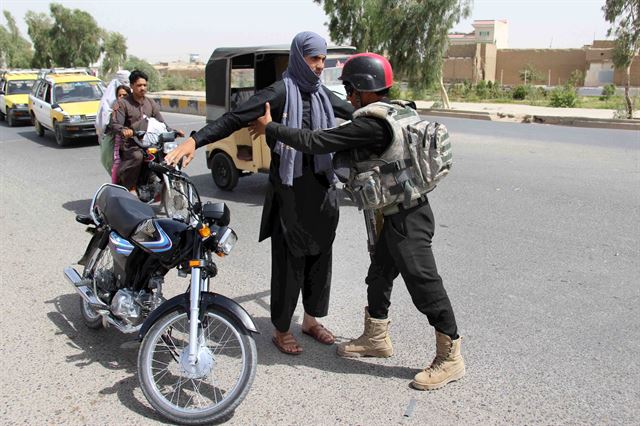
196, 105
181, 104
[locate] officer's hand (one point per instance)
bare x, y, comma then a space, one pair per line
185, 151
259, 127
127, 133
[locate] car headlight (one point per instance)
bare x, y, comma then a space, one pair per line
74, 118
169, 146
21, 106
227, 241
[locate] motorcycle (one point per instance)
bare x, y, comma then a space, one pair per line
153, 186
198, 356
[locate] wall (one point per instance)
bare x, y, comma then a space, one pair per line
620, 76
561, 62
457, 69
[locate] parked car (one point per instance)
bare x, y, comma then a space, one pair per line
232, 76
15, 86
65, 103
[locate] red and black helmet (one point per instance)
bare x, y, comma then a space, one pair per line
367, 72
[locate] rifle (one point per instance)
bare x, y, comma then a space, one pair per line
373, 220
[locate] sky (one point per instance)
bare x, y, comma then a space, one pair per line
164, 30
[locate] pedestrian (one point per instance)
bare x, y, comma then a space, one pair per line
103, 119
404, 242
300, 212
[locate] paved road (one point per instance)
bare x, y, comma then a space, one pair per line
537, 240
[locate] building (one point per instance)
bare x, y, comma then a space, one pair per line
473, 60
484, 32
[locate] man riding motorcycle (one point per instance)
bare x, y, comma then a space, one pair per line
131, 114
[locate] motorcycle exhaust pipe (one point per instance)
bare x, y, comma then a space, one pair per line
83, 290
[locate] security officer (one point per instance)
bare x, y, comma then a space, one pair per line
404, 243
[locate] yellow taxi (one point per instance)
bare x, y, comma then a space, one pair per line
15, 86
65, 103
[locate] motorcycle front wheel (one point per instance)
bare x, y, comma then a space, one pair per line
99, 266
208, 391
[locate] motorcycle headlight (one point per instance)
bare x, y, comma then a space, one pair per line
169, 146
227, 241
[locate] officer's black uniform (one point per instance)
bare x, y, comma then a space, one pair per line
404, 245
301, 220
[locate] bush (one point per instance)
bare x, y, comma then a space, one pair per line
482, 89
608, 91
563, 97
520, 93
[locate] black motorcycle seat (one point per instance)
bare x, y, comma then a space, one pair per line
122, 210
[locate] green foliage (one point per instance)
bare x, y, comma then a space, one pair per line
39, 28
135, 63
563, 97
181, 82
608, 91
530, 75
576, 79
624, 17
114, 46
520, 92
76, 37
413, 33
15, 50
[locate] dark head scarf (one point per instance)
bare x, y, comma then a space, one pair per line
299, 77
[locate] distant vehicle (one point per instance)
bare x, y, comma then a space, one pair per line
66, 104
232, 76
15, 86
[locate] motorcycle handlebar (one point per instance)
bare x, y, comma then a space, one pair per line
160, 168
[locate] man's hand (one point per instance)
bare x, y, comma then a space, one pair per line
258, 128
185, 150
127, 133
179, 133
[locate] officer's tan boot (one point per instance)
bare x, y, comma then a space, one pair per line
446, 367
374, 341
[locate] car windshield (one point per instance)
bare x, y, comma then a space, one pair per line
77, 91
19, 87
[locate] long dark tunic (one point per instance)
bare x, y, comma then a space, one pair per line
307, 212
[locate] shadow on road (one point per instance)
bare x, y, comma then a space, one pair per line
48, 140
316, 355
111, 349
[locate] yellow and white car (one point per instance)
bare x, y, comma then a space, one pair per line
66, 104
15, 87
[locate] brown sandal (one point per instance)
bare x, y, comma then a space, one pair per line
285, 342
321, 334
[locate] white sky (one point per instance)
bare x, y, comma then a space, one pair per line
167, 30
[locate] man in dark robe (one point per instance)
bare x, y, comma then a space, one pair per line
301, 208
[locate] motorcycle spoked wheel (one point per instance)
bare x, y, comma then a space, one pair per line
99, 262
175, 204
227, 362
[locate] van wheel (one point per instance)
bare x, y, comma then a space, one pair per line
38, 126
60, 139
224, 172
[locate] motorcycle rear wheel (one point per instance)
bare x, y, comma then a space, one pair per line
99, 261
226, 368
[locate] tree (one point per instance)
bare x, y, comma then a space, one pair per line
530, 74
134, 63
114, 47
75, 36
39, 28
624, 17
15, 50
412, 33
